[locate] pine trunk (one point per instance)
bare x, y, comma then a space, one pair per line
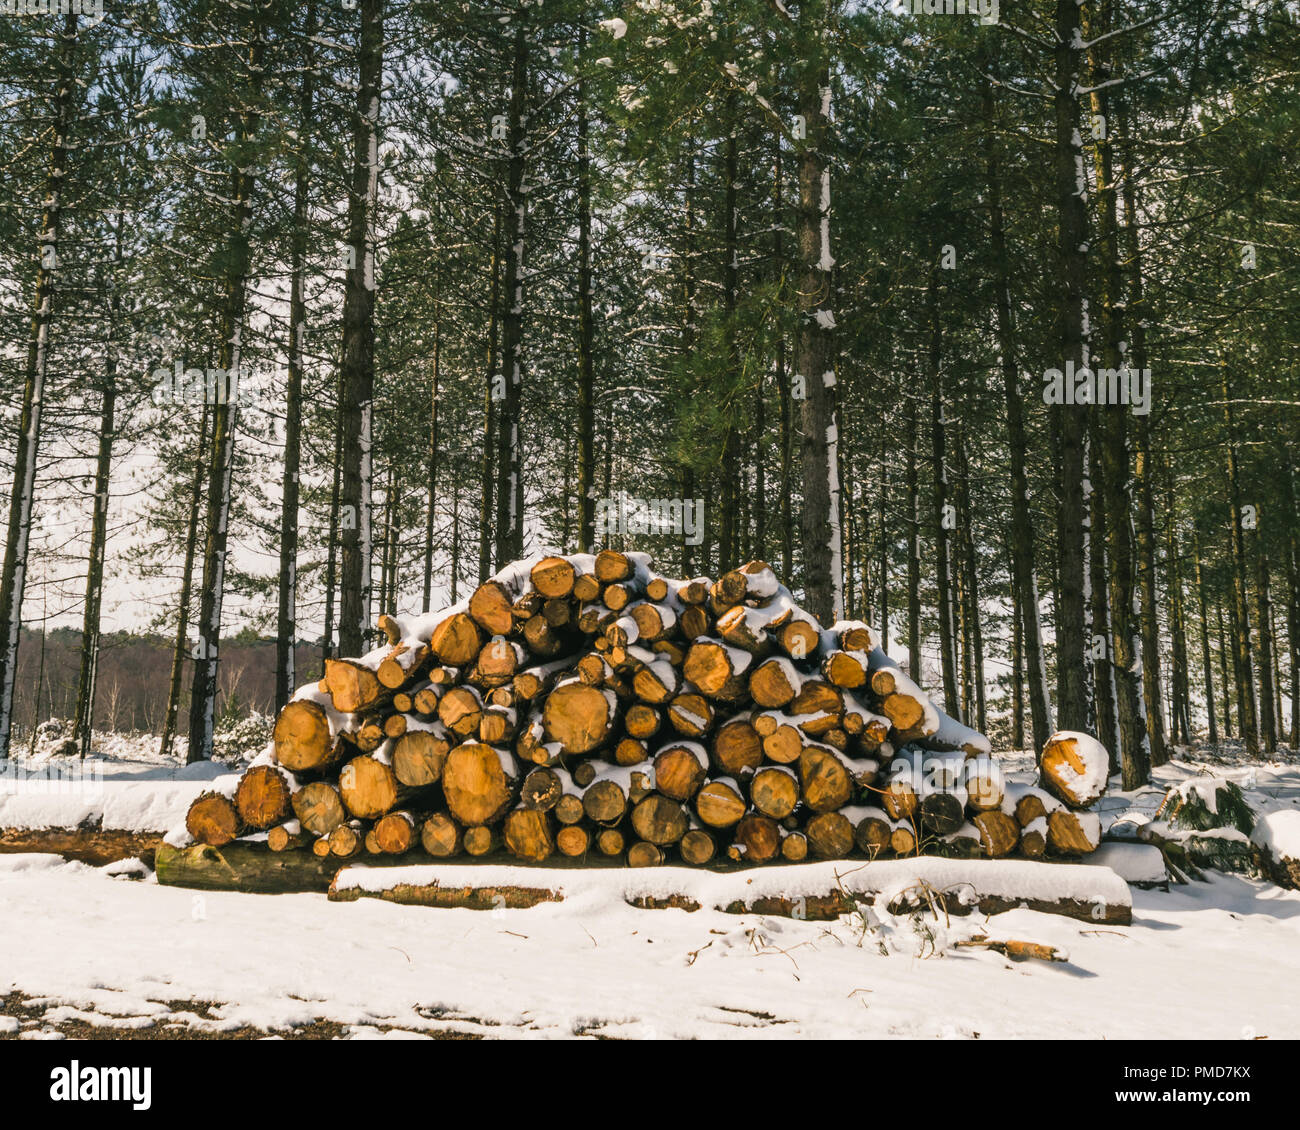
357, 371
23, 487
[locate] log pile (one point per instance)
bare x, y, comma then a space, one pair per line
587, 706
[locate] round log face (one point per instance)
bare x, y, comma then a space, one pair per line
708, 666
737, 748
262, 797
612, 566
770, 685
457, 640
572, 839
678, 772
757, 839
418, 758
440, 835
528, 835
576, 716
774, 792
604, 802
642, 721
475, 784
212, 819
697, 847
302, 736
490, 607
395, 833
553, 577
318, 808
719, 805
351, 685
368, 787
827, 784
830, 835
659, 820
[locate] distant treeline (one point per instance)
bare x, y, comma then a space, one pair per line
133, 675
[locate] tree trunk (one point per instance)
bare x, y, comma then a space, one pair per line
912, 493
814, 339
431, 506
731, 496
1267, 702
286, 676
1017, 670
1072, 240
187, 585
1126, 651
84, 719
1206, 666
1180, 699
486, 508
1021, 534
1293, 597
509, 476
1108, 728
331, 553
38, 351
1223, 672
225, 422
1241, 606
974, 618
782, 381
357, 371
944, 512
586, 330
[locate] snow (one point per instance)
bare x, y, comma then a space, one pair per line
88, 943
101, 793
964, 880
592, 966
1279, 834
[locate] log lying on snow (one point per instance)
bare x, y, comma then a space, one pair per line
817, 892
586, 708
96, 846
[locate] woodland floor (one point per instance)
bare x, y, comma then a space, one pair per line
85, 952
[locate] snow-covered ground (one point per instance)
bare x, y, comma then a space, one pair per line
83, 946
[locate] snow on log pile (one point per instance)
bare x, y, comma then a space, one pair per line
586, 706
1276, 839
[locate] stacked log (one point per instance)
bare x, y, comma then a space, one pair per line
587, 706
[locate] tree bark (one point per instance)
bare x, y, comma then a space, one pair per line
1206, 666
38, 351
1021, 534
1241, 606
286, 676
225, 420
1072, 240
187, 587
84, 718
586, 330
509, 471
814, 339
357, 371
